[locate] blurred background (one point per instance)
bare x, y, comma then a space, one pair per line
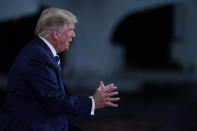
148, 48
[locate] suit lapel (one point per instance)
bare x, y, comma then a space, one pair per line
66, 91
42, 43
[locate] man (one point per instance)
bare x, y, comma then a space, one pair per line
37, 99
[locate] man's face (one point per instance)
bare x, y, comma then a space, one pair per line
65, 37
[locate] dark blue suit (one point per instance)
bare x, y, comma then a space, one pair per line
36, 96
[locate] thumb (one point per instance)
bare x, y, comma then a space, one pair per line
102, 84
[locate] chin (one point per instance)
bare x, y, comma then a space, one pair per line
66, 48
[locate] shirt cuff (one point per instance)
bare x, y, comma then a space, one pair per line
93, 106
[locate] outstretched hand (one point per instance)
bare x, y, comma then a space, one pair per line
103, 96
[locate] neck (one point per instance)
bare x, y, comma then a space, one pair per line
51, 41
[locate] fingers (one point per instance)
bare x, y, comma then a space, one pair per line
103, 96
112, 94
111, 104
110, 85
110, 88
107, 88
113, 99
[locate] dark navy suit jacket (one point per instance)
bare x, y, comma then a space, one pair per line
36, 96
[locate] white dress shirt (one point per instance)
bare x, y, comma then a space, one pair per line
54, 52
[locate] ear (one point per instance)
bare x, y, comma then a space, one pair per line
55, 34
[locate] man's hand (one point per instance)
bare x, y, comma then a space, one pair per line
103, 96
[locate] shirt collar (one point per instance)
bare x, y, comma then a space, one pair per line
49, 45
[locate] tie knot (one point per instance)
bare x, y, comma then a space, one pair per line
58, 61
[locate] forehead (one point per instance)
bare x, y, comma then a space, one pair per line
69, 26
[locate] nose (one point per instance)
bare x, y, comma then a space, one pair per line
73, 34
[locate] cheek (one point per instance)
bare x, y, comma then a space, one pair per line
67, 37
64, 39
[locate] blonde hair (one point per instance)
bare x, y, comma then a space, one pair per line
53, 18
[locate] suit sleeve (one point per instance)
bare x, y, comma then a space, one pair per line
42, 78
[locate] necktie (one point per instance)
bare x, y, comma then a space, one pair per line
58, 61
59, 65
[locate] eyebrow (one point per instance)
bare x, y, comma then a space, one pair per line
73, 28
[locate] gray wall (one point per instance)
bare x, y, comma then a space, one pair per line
92, 55
10, 9
185, 46
93, 50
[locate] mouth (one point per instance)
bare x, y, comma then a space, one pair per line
68, 44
